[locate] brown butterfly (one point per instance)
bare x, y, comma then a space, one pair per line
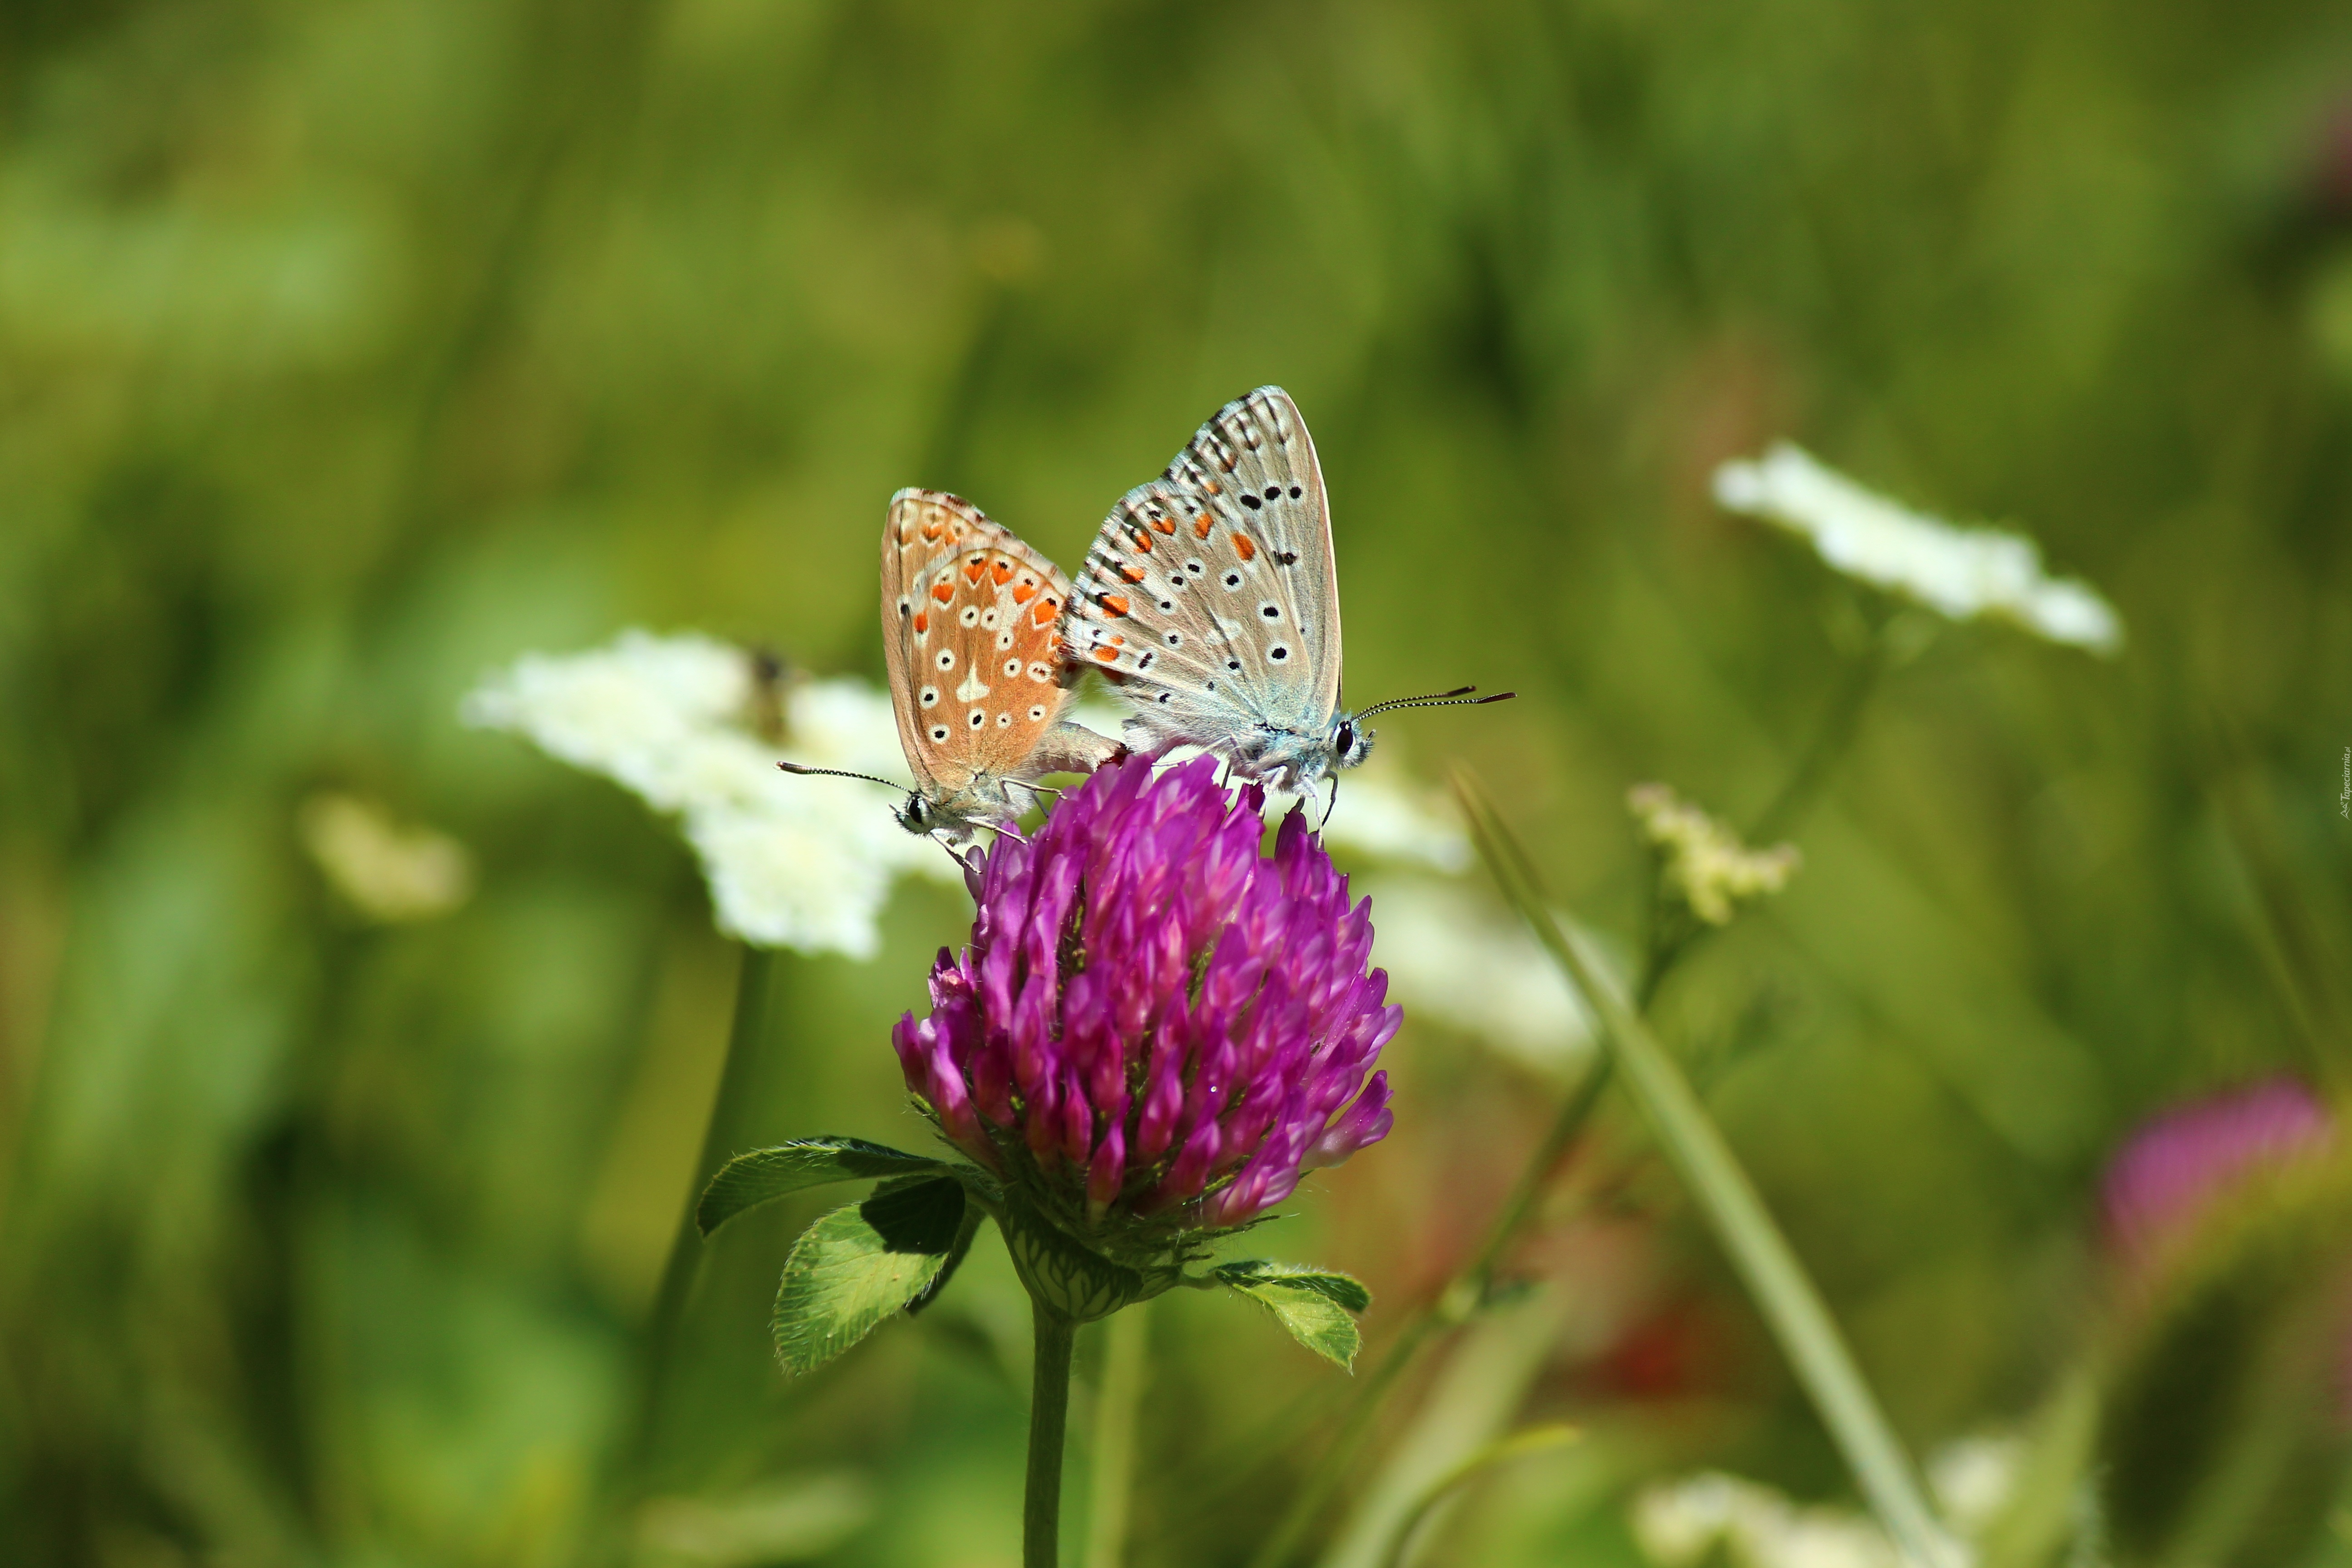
971, 628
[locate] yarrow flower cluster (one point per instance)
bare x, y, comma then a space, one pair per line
1961, 573
674, 719
1706, 865
1155, 1030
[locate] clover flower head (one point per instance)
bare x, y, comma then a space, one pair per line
1155, 1029
678, 722
2172, 1170
1961, 573
1706, 865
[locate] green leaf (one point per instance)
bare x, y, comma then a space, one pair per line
956, 1251
1317, 1305
861, 1264
749, 1180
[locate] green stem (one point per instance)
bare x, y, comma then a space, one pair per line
1791, 1304
1049, 1415
1130, 1336
754, 993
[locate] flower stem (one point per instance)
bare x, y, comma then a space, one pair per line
1049, 1415
1128, 1333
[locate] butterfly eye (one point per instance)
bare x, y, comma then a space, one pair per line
1345, 740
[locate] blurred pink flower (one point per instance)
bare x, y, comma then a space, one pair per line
2172, 1170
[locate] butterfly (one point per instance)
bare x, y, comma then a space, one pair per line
1211, 600
972, 633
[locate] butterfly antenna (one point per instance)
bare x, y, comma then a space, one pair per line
1458, 698
807, 772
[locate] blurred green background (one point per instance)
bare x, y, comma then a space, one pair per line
349, 349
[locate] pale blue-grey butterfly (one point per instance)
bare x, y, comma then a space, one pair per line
1211, 601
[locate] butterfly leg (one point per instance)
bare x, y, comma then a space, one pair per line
1331, 805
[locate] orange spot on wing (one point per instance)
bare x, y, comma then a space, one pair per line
943, 591
1202, 525
933, 528
1164, 524
973, 571
1142, 542
1243, 546
1042, 615
1115, 603
1132, 574
1106, 654
1025, 592
922, 622
1003, 572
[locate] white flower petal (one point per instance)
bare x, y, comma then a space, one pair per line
804, 863
1960, 572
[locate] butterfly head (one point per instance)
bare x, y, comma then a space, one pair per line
917, 816
1352, 740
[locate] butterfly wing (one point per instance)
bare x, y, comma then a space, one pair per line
1210, 595
971, 626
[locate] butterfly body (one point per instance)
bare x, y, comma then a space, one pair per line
971, 634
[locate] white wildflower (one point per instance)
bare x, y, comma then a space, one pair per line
792, 862
1453, 958
1974, 1478
1960, 572
388, 873
1680, 1522
1706, 865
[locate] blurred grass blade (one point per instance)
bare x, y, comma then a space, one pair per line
1502, 1450
1783, 1292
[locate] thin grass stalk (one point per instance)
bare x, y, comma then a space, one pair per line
1671, 935
1128, 1337
1451, 1307
1785, 1294
754, 992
